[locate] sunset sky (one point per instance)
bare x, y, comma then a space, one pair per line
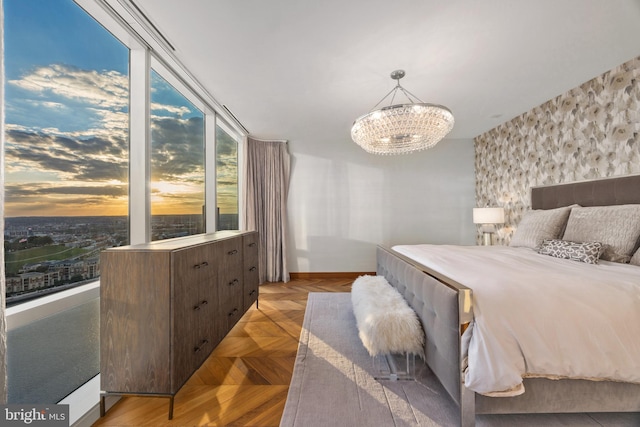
67, 121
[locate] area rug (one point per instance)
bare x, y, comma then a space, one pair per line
333, 383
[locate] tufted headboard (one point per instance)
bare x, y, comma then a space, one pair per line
599, 192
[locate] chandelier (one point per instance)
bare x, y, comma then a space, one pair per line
402, 128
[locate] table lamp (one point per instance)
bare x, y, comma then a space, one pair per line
488, 217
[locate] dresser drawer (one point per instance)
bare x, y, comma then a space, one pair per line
230, 269
194, 264
231, 311
250, 274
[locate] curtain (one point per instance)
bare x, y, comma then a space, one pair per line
3, 301
266, 187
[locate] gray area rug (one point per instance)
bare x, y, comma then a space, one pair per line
333, 383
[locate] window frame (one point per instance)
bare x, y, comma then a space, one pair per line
145, 49
149, 50
240, 140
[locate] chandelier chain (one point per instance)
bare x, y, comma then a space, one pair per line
393, 91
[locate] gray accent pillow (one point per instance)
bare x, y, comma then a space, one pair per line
588, 252
616, 227
539, 225
635, 259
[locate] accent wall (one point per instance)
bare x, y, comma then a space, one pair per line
591, 131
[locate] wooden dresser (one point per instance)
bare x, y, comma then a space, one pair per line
165, 305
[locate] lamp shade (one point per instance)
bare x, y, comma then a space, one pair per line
488, 215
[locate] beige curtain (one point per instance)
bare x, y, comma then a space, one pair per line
3, 301
267, 169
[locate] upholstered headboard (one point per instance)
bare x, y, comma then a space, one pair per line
599, 192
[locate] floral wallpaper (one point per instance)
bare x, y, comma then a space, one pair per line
592, 131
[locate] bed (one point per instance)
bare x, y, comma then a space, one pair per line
446, 309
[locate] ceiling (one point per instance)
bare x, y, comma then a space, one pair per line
289, 67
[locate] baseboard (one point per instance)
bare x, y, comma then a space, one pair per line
329, 275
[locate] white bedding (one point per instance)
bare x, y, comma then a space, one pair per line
539, 316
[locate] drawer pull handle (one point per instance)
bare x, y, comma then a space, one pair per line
233, 252
231, 313
252, 244
252, 293
252, 269
202, 264
234, 282
204, 302
199, 347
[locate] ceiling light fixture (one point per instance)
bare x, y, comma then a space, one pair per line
402, 128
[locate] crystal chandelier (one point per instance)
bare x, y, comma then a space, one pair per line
402, 128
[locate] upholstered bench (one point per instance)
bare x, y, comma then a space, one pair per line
387, 326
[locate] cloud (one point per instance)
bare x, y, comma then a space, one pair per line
50, 199
47, 104
17, 192
68, 146
225, 145
107, 89
171, 109
177, 149
72, 159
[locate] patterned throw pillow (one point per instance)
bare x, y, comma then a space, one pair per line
588, 252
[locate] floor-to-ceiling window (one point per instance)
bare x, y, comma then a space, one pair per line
66, 144
66, 183
83, 103
177, 163
226, 179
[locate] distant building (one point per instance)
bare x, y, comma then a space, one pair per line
50, 273
32, 281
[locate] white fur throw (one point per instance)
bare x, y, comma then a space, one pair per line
386, 323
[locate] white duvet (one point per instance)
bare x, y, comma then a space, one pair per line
539, 316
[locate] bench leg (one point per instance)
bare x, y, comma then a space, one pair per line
394, 367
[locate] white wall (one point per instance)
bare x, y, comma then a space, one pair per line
343, 202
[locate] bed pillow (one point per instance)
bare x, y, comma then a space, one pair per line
539, 225
588, 252
616, 227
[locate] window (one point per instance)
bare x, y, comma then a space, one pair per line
177, 163
66, 183
66, 145
226, 180
76, 116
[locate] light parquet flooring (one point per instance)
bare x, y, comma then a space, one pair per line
245, 380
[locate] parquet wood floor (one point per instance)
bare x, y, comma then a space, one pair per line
245, 380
